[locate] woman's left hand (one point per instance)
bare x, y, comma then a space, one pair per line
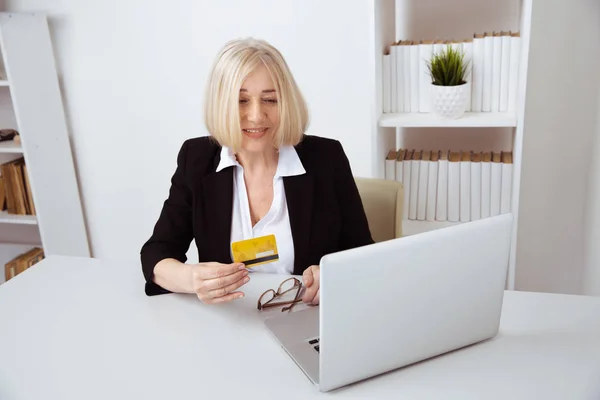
312, 283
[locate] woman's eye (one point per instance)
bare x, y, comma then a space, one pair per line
269, 101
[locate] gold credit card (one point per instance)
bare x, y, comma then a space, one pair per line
255, 251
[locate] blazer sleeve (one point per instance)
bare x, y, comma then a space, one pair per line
355, 227
173, 232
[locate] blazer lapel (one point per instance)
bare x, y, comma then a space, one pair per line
217, 203
299, 196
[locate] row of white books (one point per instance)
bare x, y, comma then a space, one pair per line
493, 72
456, 186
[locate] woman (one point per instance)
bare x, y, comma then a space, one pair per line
256, 174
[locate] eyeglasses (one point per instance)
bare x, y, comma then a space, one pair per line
289, 285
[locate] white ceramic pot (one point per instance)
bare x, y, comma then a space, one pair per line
449, 101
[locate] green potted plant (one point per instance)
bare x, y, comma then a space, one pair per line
449, 88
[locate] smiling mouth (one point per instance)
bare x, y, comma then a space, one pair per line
257, 130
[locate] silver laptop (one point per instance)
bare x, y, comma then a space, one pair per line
394, 303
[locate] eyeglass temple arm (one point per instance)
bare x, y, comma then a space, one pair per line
279, 303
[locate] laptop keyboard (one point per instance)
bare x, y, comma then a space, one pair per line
314, 344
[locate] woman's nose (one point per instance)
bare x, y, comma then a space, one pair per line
255, 113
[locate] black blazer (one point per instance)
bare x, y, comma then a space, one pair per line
325, 210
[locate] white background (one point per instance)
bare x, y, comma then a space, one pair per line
133, 74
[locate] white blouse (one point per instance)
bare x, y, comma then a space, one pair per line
276, 221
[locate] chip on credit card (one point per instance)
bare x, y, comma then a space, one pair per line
256, 251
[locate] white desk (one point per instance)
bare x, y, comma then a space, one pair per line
74, 329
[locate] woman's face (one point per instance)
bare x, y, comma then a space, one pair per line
259, 113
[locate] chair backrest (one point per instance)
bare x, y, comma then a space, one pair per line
383, 201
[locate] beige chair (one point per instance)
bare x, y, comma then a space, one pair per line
383, 201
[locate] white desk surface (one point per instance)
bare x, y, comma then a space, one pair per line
75, 328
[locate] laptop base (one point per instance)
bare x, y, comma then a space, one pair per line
296, 332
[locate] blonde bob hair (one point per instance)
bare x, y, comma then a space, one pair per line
236, 60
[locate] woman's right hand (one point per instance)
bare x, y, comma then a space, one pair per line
214, 282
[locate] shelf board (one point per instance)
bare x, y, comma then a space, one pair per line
6, 218
4, 83
9, 146
21, 234
412, 227
430, 120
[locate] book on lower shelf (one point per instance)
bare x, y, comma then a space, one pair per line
15, 188
452, 186
413, 227
22, 262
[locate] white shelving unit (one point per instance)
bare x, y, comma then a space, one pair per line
31, 103
470, 120
10, 147
395, 20
6, 218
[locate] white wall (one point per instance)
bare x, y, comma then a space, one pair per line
560, 122
591, 271
133, 74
